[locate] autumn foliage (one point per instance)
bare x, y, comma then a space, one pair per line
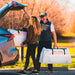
62, 19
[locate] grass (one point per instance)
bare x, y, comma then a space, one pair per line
69, 35
20, 65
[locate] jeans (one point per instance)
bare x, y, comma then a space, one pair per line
46, 44
30, 52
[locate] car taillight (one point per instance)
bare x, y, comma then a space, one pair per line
14, 3
7, 35
11, 37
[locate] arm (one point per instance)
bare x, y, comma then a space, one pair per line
54, 35
27, 13
55, 39
23, 29
29, 35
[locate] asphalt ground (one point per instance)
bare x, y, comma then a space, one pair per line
15, 72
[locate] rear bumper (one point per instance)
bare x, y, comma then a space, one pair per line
11, 61
9, 58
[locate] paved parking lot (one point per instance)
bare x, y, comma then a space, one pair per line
9, 72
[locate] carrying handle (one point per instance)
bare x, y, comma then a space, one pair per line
57, 48
64, 51
52, 49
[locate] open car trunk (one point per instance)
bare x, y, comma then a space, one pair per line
13, 5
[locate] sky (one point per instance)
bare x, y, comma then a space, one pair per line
68, 4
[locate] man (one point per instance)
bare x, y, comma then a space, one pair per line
45, 38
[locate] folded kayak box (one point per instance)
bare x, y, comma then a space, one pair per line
55, 56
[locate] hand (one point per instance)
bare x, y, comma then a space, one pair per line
24, 9
20, 28
21, 44
55, 45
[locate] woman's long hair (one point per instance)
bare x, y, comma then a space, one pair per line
37, 27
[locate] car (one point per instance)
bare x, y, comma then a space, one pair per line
9, 55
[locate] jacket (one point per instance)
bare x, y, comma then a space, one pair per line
31, 37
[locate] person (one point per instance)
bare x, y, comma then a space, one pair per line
33, 33
45, 39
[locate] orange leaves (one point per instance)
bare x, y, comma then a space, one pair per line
64, 22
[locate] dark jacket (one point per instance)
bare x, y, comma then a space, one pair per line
31, 37
46, 32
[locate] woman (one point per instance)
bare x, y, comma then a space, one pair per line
45, 39
33, 33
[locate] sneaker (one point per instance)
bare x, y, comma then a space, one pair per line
22, 72
29, 69
36, 72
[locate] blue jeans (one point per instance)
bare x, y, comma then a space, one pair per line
46, 44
